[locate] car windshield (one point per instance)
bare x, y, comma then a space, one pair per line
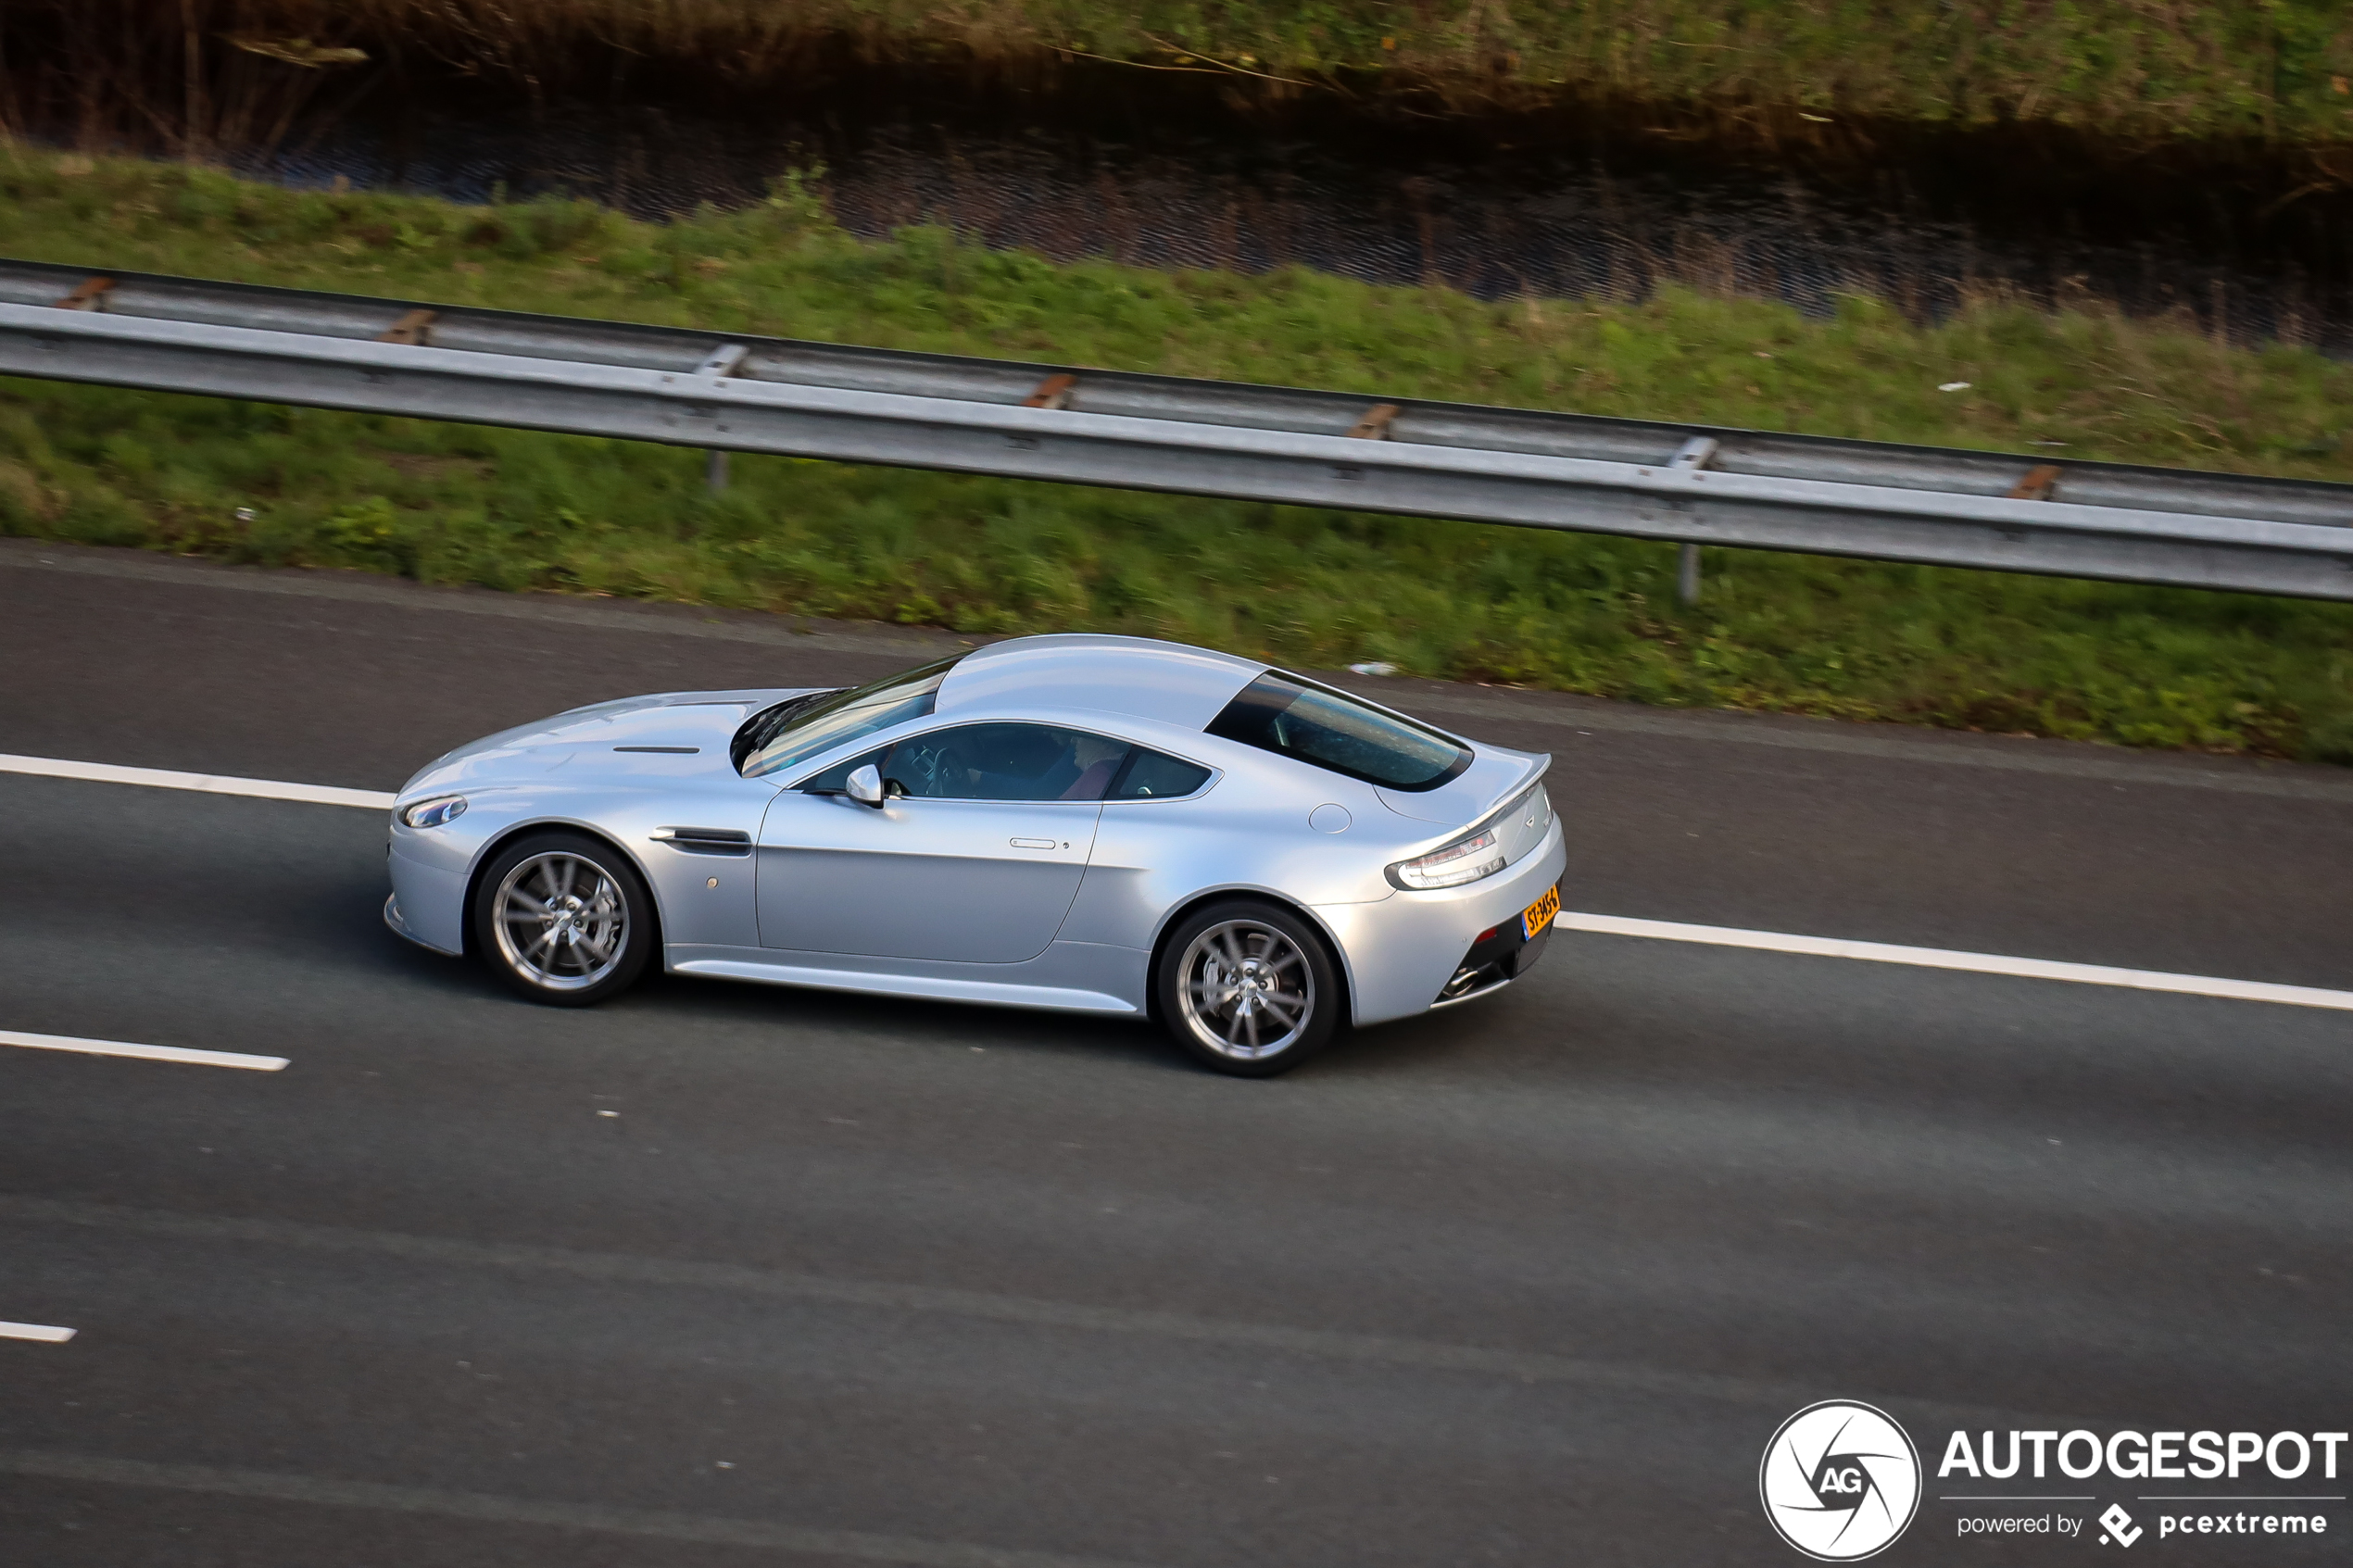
800, 727
1330, 729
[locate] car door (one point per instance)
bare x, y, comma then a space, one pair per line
974, 856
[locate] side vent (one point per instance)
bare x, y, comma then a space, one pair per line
705, 841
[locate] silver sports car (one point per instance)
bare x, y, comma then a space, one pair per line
1095, 824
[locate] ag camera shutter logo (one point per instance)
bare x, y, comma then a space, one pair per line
1840, 1481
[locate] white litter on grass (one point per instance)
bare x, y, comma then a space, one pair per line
1373, 667
1952, 386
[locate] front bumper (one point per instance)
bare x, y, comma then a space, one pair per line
429, 874
400, 926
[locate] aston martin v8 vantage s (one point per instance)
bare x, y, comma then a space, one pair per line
1096, 824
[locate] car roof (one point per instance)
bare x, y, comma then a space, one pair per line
1136, 676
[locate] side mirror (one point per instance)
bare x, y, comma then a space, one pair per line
865, 786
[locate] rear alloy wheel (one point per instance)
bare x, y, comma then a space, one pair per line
1248, 988
563, 919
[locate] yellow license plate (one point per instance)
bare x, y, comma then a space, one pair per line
1538, 915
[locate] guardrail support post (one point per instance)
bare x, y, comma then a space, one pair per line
721, 363
1697, 453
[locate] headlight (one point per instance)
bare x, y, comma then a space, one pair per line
433, 813
1466, 860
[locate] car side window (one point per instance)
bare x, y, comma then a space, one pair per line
1152, 776
1004, 762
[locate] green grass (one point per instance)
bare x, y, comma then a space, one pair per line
2160, 70
511, 510
2153, 70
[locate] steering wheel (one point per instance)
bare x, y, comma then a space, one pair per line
952, 774
925, 767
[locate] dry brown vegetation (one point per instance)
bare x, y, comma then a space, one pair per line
206, 70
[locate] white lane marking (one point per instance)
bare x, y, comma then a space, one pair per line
145, 1053
206, 783
1611, 925
39, 1331
1972, 964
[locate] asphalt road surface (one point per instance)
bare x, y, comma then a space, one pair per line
720, 1275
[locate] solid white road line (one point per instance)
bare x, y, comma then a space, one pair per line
1609, 925
41, 1332
1973, 963
145, 1053
206, 783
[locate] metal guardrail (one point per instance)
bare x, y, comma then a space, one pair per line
1691, 485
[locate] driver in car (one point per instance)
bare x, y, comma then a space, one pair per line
1022, 762
1016, 763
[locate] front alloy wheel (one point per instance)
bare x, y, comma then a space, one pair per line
563, 919
1248, 989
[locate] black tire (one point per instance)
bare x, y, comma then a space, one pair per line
602, 921
1231, 973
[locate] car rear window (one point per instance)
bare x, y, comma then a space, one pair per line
1153, 775
1332, 730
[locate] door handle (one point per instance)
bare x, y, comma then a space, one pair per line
1031, 843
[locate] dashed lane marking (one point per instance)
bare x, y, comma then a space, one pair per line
37, 1331
145, 1053
202, 784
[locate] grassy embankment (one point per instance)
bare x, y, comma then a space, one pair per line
452, 502
2157, 69
2140, 69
